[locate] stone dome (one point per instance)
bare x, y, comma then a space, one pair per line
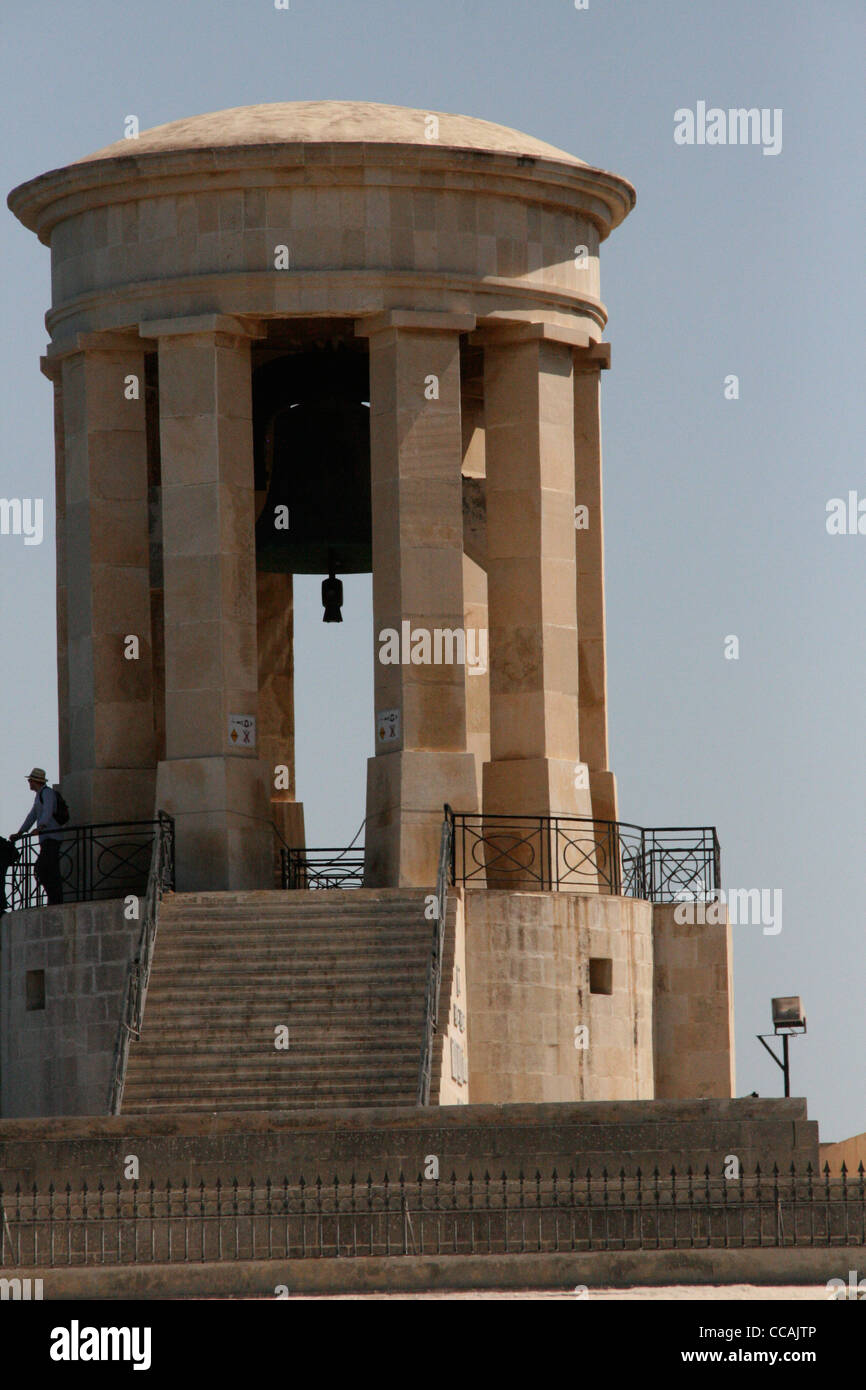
330, 122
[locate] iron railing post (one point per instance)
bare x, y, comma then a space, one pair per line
613, 845
434, 968
160, 879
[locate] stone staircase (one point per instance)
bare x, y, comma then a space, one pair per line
344, 971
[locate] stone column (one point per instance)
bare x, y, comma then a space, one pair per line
475, 568
529, 412
54, 371
211, 781
416, 452
589, 543
107, 746
275, 634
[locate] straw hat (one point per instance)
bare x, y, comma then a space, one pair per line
37, 775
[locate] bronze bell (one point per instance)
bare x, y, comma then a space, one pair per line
313, 465
332, 598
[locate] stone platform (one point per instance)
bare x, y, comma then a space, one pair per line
595, 1135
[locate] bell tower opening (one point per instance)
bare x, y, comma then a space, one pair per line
311, 433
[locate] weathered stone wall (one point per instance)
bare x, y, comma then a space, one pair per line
476, 233
464, 1138
528, 966
693, 1009
58, 1060
596, 1270
851, 1152
453, 1031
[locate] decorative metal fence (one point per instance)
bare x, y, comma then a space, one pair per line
107, 860
581, 854
322, 868
157, 1224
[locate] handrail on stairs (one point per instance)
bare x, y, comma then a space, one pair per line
434, 967
160, 880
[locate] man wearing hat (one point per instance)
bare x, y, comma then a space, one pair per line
47, 870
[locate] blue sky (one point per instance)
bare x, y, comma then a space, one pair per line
732, 262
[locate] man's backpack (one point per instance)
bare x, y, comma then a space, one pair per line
61, 810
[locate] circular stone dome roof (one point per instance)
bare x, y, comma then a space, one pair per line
282, 135
321, 122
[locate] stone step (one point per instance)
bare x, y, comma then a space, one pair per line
192, 1082
346, 973
253, 896
338, 933
370, 955
175, 1004
246, 1104
230, 1091
328, 930
304, 1030
309, 911
200, 1078
318, 937
307, 1051
285, 916
306, 984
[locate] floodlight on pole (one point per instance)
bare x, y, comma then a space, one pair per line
788, 1019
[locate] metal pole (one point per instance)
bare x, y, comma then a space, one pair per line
785, 1066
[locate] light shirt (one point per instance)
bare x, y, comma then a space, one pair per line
42, 813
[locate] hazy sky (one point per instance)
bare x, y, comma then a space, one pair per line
732, 262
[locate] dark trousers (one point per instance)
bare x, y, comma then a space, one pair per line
47, 870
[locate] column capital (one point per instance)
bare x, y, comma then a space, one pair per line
595, 358
109, 341
414, 320
203, 325
505, 331
51, 367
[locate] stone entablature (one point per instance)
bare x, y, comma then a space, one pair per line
146, 229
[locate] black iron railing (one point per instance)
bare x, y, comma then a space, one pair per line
434, 968
132, 1223
160, 880
578, 853
322, 868
108, 860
